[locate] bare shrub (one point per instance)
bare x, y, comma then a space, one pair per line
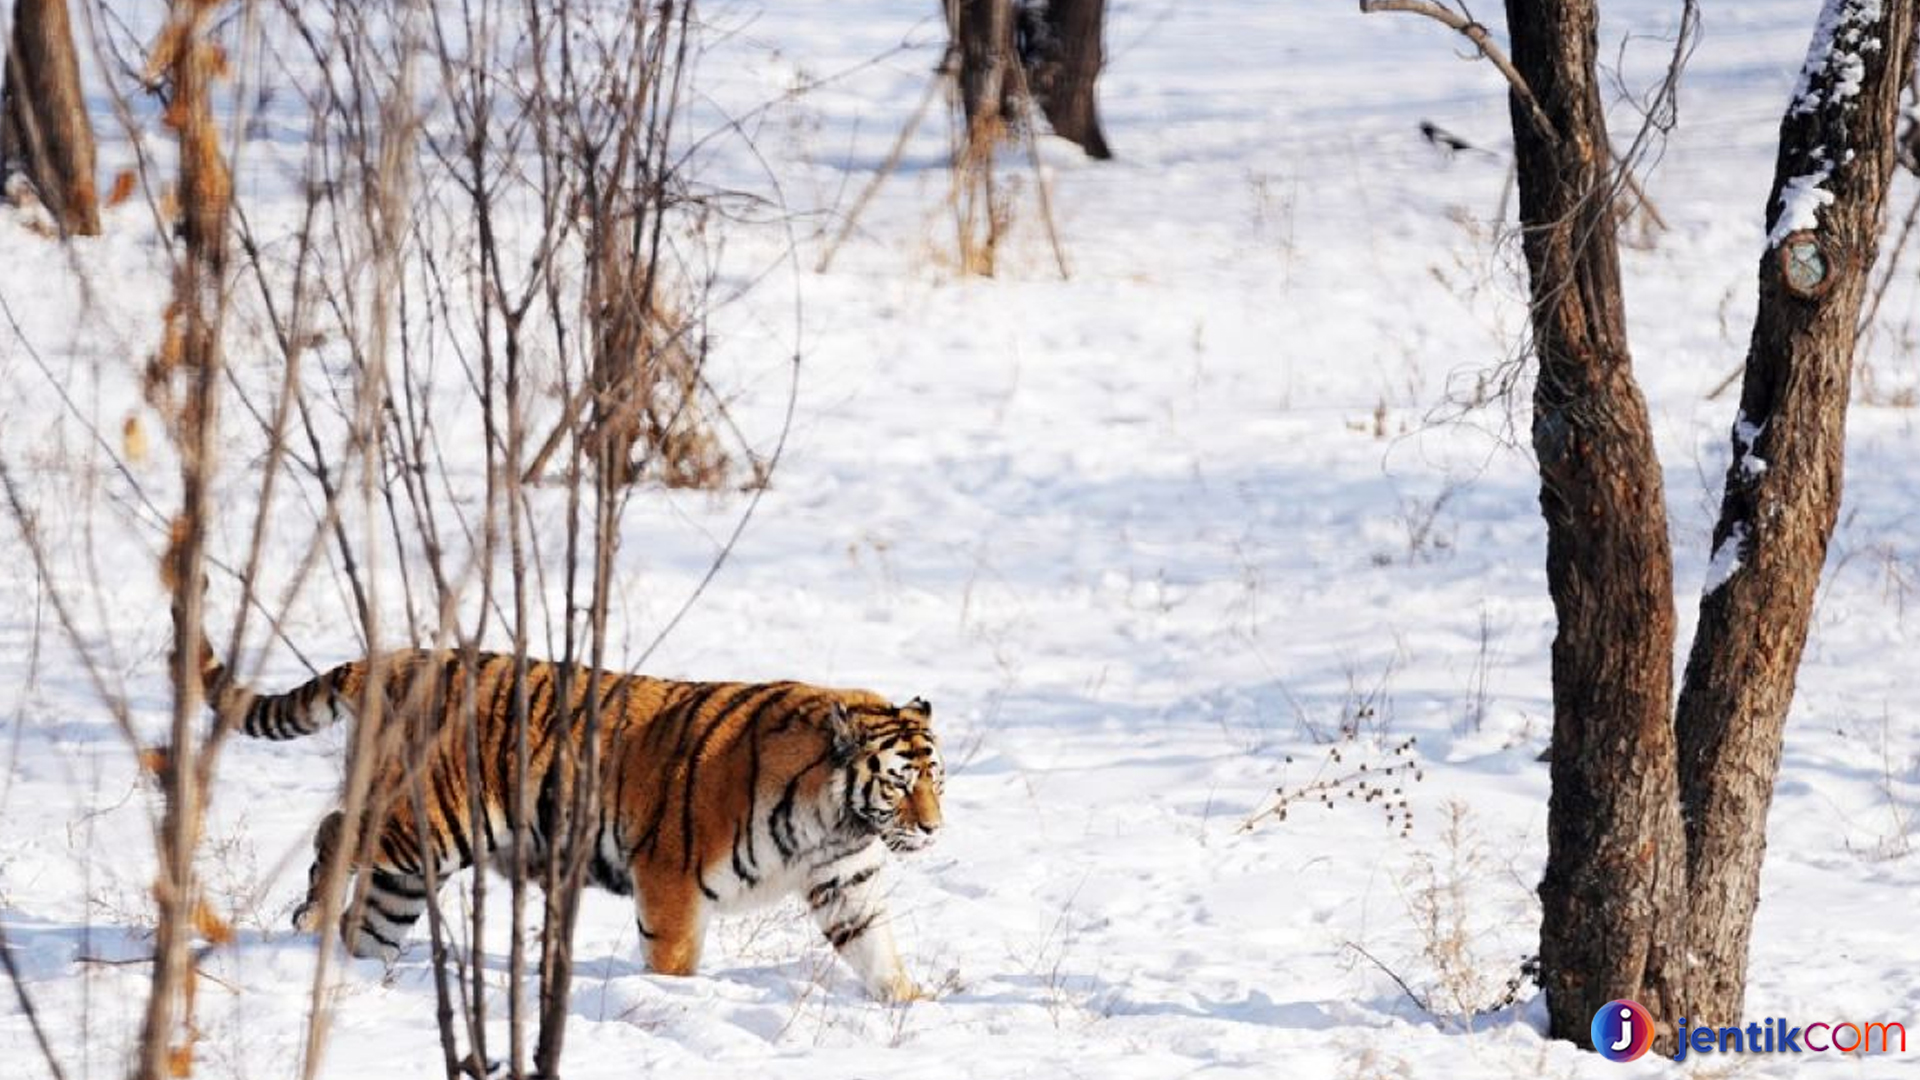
474, 275
1449, 898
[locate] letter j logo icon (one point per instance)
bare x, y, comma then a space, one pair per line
1622, 1030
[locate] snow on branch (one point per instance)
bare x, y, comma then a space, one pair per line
1836, 67
1836, 58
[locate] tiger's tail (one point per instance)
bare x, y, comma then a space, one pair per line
298, 712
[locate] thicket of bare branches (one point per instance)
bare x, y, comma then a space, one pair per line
483, 305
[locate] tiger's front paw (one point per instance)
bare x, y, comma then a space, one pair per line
306, 917
898, 989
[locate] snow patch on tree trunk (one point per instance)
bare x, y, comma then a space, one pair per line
1836, 57
1727, 559
1833, 73
1746, 435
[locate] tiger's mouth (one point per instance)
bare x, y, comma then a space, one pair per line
902, 841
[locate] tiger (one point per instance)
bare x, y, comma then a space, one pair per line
716, 796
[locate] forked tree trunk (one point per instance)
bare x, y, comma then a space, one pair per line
982, 30
1613, 887
43, 119
1051, 49
1636, 903
1064, 49
1783, 486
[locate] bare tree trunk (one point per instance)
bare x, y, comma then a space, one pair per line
44, 120
982, 30
1783, 487
1063, 50
1613, 889
1058, 48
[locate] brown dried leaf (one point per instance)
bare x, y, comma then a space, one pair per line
123, 186
133, 440
210, 925
165, 49
176, 537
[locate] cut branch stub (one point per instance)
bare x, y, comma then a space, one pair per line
1809, 264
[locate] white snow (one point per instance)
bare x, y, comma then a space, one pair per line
1838, 49
1727, 558
1746, 436
1801, 199
1150, 540
1837, 54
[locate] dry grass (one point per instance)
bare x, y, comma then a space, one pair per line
982, 206
1459, 927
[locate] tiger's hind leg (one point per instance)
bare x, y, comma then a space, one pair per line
393, 903
326, 840
673, 920
847, 904
394, 899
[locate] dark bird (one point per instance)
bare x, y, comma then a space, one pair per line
1444, 139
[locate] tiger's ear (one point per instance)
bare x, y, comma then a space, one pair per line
920, 705
846, 739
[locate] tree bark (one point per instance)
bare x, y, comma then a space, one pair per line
983, 32
1059, 49
1783, 486
1612, 894
43, 122
1063, 52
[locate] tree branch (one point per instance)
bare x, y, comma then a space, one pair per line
1483, 41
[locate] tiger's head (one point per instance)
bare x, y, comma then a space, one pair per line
894, 773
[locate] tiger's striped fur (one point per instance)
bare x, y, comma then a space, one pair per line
715, 795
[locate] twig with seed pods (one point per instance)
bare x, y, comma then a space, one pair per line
1340, 780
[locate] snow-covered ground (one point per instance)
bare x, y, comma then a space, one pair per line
1157, 541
